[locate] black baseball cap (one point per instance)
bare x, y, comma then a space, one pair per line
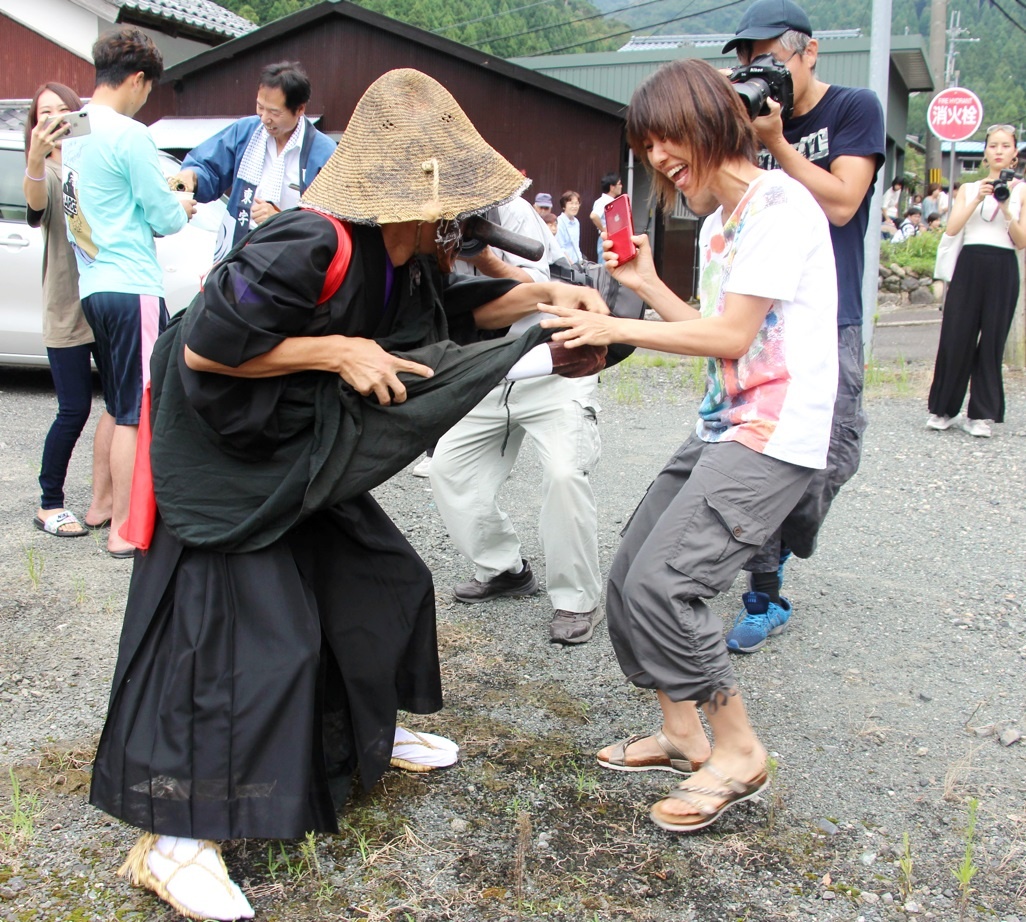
768, 19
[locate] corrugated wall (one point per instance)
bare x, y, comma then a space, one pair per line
30, 59
615, 76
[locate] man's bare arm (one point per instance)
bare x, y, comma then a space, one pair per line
361, 363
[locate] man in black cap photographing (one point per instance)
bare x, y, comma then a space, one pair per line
833, 144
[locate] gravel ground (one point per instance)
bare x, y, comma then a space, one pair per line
892, 704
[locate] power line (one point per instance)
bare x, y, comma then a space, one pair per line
601, 38
1021, 3
684, 9
1017, 25
570, 22
468, 22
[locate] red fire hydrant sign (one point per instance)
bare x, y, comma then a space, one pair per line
955, 114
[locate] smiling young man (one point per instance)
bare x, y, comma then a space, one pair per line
833, 144
267, 159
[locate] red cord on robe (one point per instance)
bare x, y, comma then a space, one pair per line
142, 509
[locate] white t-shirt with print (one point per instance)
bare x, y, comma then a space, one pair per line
777, 399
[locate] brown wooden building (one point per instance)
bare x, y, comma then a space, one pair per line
31, 59
52, 40
563, 137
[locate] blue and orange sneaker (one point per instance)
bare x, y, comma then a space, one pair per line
759, 620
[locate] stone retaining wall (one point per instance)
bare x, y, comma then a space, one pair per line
898, 285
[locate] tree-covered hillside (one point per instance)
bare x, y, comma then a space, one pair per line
992, 67
506, 28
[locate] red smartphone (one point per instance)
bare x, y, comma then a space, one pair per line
620, 228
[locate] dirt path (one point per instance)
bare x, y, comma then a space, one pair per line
884, 705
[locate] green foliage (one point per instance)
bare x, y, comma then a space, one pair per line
506, 28
967, 869
17, 824
917, 253
990, 67
905, 865
34, 564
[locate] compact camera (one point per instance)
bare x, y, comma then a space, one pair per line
1001, 190
764, 77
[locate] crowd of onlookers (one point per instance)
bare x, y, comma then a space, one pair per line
922, 212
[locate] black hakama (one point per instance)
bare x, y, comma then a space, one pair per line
280, 619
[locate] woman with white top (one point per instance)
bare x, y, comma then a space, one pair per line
768, 325
981, 299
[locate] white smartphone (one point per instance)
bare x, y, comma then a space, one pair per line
77, 122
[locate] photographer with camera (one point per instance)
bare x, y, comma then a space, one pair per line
832, 142
984, 289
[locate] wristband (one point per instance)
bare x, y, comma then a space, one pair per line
28, 175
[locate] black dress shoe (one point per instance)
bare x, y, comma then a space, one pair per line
505, 584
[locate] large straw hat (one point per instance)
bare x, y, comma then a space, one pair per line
411, 154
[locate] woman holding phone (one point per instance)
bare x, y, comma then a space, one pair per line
66, 335
769, 326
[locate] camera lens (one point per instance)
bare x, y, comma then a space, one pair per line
754, 94
1001, 192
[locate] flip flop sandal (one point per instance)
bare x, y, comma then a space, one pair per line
672, 759
99, 526
53, 525
732, 792
189, 875
422, 752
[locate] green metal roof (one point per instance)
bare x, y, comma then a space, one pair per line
615, 74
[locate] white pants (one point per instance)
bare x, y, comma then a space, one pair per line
469, 468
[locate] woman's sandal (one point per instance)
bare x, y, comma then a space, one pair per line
61, 524
187, 874
422, 752
672, 759
732, 792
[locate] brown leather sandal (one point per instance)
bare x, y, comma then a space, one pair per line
732, 792
672, 759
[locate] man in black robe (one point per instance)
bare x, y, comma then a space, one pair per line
279, 619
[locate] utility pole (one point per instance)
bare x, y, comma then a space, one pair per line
879, 72
938, 34
954, 35
951, 76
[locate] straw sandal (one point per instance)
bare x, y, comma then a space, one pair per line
188, 874
672, 759
732, 792
422, 752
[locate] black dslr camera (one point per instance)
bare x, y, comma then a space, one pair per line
764, 77
1001, 190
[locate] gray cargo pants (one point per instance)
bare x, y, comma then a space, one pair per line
705, 514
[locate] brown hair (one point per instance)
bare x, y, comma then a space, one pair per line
690, 102
67, 95
125, 51
566, 196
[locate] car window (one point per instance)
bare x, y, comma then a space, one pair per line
12, 199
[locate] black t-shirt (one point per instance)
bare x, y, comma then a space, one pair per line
847, 121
